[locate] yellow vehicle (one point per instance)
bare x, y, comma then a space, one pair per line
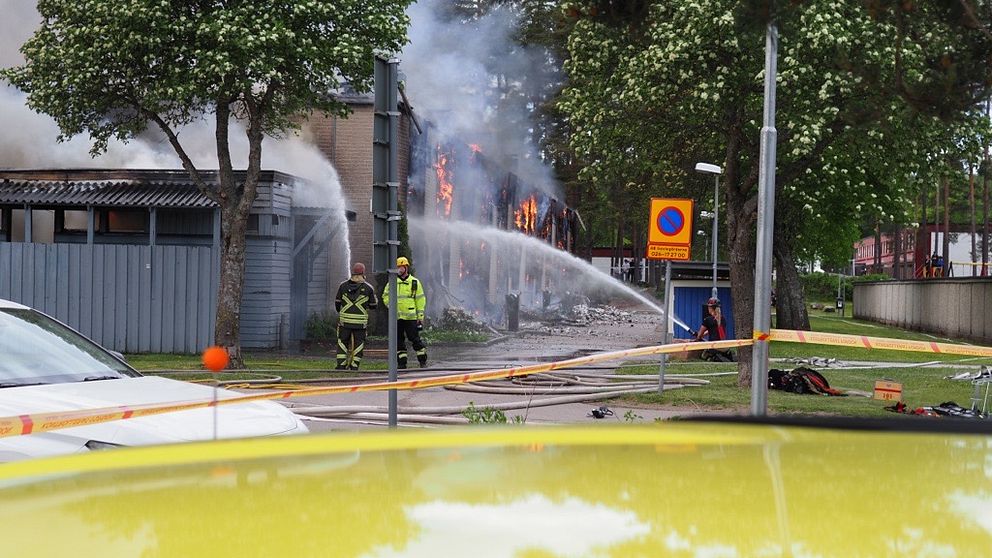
678, 489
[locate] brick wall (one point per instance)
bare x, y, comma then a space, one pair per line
347, 143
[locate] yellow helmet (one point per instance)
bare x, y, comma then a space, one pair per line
402, 261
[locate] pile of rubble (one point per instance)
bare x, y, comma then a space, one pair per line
585, 314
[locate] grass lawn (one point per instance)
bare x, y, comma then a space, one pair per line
289, 368
921, 386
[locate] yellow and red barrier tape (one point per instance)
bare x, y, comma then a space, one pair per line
43, 422
865, 342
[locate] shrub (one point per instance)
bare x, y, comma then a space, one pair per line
321, 327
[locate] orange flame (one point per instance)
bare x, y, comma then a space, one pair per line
445, 189
526, 217
476, 148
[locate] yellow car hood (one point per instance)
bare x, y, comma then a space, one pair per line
677, 489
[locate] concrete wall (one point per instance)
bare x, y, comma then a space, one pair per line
948, 307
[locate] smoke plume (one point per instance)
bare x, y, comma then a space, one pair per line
474, 83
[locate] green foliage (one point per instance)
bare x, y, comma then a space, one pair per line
485, 415
820, 287
650, 95
631, 416
434, 336
823, 286
106, 67
321, 327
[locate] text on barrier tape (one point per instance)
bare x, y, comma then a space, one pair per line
865, 342
43, 422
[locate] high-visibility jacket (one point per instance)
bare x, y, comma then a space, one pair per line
354, 299
411, 300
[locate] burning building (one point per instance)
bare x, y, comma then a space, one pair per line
458, 184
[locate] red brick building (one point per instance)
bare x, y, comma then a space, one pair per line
347, 144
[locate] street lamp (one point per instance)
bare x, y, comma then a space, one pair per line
709, 168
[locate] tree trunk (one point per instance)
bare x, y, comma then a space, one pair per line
936, 220
922, 234
971, 203
740, 252
876, 261
985, 215
897, 251
790, 301
227, 332
946, 248
235, 201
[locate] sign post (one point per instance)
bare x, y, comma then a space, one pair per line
669, 238
385, 199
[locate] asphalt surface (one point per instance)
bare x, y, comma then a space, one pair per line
535, 343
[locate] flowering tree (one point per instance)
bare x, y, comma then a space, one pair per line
111, 68
648, 97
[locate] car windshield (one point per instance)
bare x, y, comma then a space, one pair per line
36, 349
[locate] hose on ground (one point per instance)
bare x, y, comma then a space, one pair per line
327, 411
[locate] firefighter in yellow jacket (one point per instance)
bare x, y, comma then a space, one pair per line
410, 304
354, 300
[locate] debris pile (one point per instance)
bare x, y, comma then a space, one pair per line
604, 315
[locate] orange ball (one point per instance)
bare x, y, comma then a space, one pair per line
215, 359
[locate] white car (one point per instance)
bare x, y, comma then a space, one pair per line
46, 366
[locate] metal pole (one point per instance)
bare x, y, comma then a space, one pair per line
766, 224
716, 228
665, 337
392, 181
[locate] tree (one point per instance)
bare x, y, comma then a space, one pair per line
649, 97
109, 68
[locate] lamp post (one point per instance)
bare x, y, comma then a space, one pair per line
709, 168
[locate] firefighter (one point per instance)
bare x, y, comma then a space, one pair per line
714, 325
354, 300
410, 304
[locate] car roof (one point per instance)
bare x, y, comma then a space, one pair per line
11, 304
646, 490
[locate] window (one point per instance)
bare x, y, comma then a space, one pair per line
74, 220
127, 221
252, 223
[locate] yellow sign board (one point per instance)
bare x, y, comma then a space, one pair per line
670, 229
888, 391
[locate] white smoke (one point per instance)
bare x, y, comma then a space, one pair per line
29, 139
466, 79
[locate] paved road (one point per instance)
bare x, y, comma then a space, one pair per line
534, 344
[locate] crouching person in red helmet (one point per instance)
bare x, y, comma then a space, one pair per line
410, 303
354, 300
715, 326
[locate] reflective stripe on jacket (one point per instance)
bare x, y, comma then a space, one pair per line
354, 299
411, 300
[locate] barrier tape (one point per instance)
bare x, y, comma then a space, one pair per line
865, 342
42, 422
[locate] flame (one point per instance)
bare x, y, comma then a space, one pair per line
476, 148
526, 217
445, 189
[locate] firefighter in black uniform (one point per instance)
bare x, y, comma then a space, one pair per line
354, 300
715, 326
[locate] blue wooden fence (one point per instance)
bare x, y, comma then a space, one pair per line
129, 298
